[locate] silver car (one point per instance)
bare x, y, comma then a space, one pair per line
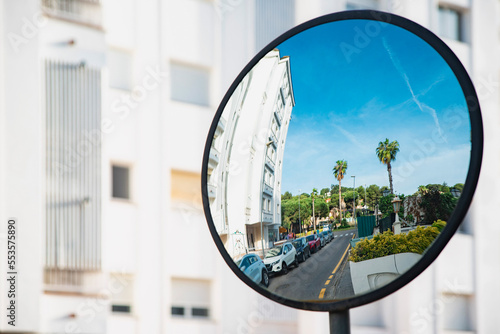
252, 266
322, 239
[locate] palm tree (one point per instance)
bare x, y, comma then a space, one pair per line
313, 195
386, 152
339, 172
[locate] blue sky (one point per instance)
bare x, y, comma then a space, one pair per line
392, 85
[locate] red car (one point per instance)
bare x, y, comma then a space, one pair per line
314, 243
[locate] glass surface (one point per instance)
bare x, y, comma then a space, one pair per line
353, 113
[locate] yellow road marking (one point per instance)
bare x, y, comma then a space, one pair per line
341, 259
322, 292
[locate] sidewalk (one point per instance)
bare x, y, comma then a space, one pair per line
342, 284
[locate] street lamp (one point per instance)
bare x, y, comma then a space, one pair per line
386, 192
396, 202
354, 200
365, 206
300, 222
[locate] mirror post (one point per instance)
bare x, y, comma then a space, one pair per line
339, 322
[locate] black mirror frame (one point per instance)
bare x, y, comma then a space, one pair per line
463, 202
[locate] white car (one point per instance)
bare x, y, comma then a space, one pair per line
280, 258
252, 266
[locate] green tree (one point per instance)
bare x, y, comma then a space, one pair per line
349, 196
339, 171
386, 152
322, 208
459, 186
324, 191
437, 205
386, 206
373, 193
286, 195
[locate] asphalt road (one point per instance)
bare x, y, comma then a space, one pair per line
322, 277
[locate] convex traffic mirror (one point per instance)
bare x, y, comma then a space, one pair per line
342, 160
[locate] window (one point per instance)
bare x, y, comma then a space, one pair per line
122, 297
190, 298
450, 23
120, 69
120, 308
190, 84
177, 310
270, 152
82, 11
199, 312
121, 182
285, 86
361, 4
279, 104
458, 312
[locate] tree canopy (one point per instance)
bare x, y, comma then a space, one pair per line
386, 153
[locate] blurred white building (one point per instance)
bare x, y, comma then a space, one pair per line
104, 110
246, 156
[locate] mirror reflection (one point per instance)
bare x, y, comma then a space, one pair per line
338, 160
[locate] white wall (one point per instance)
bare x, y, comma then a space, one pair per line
22, 190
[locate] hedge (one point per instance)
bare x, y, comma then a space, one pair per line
416, 241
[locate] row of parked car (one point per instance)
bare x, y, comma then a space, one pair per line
282, 256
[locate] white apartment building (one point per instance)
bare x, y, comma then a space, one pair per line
104, 111
246, 157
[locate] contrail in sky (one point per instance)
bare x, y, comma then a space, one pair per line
422, 106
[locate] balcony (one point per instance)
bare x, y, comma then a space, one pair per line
267, 217
212, 191
268, 190
213, 159
270, 163
87, 12
73, 281
273, 138
221, 126
278, 117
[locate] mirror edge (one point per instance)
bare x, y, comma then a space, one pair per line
463, 204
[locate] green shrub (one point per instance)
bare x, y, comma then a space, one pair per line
416, 241
439, 224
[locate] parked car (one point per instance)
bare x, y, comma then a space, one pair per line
314, 243
280, 258
252, 266
326, 236
331, 235
302, 247
322, 239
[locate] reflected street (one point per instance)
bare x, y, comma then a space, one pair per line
324, 276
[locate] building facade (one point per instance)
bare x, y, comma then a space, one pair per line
246, 157
104, 110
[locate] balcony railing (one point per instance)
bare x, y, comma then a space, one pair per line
221, 126
267, 217
277, 115
269, 163
212, 191
88, 12
268, 189
213, 158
